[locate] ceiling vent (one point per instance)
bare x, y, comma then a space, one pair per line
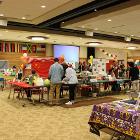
127, 38
3, 22
89, 33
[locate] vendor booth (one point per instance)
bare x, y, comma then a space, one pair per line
120, 116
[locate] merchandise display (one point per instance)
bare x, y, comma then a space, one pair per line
120, 116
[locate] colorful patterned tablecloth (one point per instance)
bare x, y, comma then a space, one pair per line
117, 115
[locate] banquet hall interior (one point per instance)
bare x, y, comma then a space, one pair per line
70, 70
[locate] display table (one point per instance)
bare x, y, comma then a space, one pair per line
4, 79
114, 84
22, 86
118, 115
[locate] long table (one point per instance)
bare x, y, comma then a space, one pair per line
120, 116
107, 83
24, 86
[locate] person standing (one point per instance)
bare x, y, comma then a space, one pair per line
19, 74
134, 76
71, 80
65, 66
56, 73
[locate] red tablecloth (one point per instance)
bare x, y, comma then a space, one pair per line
20, 84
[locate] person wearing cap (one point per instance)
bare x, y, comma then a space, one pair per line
71, 80
56, 73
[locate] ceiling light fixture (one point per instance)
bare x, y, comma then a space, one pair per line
43, 6
132, 35
1, 15
47, 35
82, 26
23, 17
95, 29
109, 20
94, 43
95, 10
37, 38
131, 47
115, 32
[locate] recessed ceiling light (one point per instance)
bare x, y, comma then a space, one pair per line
95, 29
63, 22
94, 43
43, 6
132, 35
23, 17
115, 32
47, 35
82, 26
95, 10
131, 47
37, 38
109, 20
1, 15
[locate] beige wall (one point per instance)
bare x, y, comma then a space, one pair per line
83, 52
49, 50
121, 54
133, 53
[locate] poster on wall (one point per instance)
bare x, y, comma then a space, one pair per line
99, 66
3, 64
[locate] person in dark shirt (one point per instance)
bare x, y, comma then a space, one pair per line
133, 72
19, 74
65, 66
134, 76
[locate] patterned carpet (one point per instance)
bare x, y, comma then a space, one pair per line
41, 122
